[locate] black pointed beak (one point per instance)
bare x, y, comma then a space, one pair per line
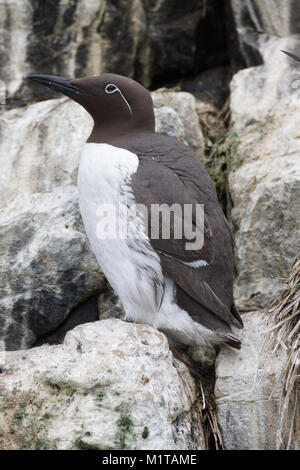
293, 56
60, 84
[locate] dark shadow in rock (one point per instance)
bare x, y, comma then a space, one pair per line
85, 312
211, 41
109, 305
211, 86
192, 39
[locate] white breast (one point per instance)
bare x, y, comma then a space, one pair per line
131, 265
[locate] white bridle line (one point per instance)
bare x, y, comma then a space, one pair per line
118, 89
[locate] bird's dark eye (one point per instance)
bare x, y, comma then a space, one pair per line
111, 88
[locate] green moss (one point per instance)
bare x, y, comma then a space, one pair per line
64, 387
53, 384
84, 445
100, 397
256, 125
41, 445
124, 432
250, 122
18, 416
162, 402
21, 412
221, 160
125, 422
70, 390
26, 445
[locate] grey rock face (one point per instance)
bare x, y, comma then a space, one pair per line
171, 39
45, 150
109, 305
211, 86
176, 115
47, 267
77, 396
265, 176
254, 19
55, 37
248, 388
275, 17
85, 312
147, 40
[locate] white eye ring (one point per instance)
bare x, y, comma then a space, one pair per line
111, 88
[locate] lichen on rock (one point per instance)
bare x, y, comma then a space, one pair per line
76, 395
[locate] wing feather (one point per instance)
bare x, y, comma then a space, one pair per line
162, 178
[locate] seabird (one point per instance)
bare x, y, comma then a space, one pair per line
185, 293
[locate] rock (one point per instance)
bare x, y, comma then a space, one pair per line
211, 86
85, 312
253, 22
55, 269
77, 396
181, 37
109, 305
169, 123
45, 150
275, 17
270, 88
248, 388
55, 38
47, 267
67, 38
265, 173
176, 115
211, 123
143, 39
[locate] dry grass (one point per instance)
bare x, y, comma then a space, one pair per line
286, 310
204, 414
207, 410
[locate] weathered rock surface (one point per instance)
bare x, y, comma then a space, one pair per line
146, 39
109, 304
257, 19
46, 260
181, 38
211, 86
67, 38
248, 388
47, 267
56, 38
275, 17
265, 176
76, 395
170, 41
176, 115
45, 150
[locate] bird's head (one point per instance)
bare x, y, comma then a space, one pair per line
118, 105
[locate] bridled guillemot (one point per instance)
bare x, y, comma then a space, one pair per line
186, 293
